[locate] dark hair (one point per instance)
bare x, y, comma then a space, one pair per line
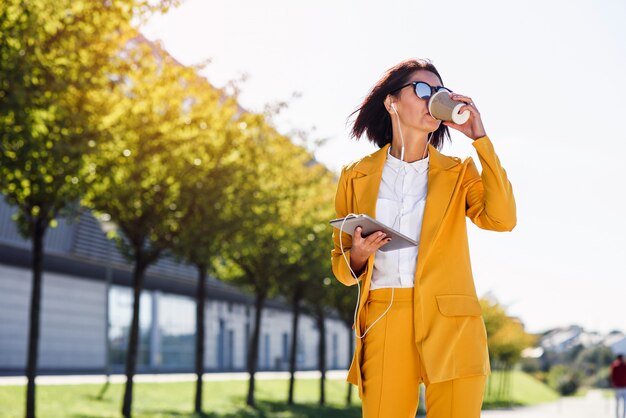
373, 118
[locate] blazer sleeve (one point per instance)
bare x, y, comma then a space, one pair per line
490, 203
343, 206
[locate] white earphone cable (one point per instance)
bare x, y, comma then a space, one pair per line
352, 215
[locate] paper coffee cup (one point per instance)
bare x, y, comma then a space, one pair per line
442, 107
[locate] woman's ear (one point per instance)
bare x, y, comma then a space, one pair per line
388, 103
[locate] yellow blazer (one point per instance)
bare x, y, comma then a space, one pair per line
449, 329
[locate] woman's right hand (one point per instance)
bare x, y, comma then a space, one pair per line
363, 247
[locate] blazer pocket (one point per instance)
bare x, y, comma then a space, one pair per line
459, 305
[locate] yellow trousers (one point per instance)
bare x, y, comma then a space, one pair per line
392, 368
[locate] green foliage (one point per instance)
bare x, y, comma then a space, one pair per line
282, 199
530, 365
506, 336
590, 359
590, 364
54, 61
600, 379
53, 57
137, 171
211, 166
563, 379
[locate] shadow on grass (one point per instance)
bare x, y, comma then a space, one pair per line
502, 404
264, 409
269, 409
308, 410
97, 398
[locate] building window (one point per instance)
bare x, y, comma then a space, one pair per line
264, 352
335, 351
285, 348
177, 329
300, 351
167, 329
120, 316
230, 359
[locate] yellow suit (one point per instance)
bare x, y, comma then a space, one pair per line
449, 330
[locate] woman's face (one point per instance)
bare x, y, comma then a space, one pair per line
412, 110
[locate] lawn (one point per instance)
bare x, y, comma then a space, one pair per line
221, 399
525, 391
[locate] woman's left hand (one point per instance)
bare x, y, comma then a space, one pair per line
473, 128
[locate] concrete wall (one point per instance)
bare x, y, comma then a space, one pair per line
73, 322
72, 333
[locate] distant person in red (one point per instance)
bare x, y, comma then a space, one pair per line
617, 375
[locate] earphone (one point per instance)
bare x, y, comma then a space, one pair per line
393, 106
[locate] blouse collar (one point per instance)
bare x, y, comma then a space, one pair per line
419, 165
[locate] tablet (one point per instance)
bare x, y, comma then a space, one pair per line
369, 225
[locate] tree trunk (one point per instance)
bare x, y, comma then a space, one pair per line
501, 380
490, 378
297, 296
200, 295
39, 232
322, 353
254, 347
350, 354
509, 373
131, 352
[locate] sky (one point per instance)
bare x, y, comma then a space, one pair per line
548, 78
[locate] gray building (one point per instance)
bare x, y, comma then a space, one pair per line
87, 307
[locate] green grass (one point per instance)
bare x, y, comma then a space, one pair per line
223, 399
525, 391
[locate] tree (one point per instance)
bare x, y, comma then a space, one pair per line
309, 273
506, 340
54, 57
344, 300
308, 279
136, 174
320, 292
319, 299
276, 175
207, 198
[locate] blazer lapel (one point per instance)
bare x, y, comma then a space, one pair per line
443, 173
366, 187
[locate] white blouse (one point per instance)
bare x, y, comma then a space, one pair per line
400, 205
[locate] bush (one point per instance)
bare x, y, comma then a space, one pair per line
530, 365
563, 379
601, 379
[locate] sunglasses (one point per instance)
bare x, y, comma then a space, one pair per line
422, 89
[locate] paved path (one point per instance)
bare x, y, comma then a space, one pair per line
165, 377
594, 405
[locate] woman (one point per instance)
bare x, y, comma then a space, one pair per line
418, 317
